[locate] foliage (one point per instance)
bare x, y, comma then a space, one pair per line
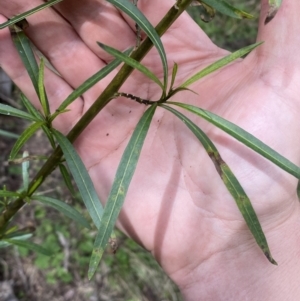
104, 219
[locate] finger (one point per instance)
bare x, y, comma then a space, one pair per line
57, 89
281, 38
96, 20
58, 41
184, 32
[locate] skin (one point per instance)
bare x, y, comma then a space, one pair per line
177, 207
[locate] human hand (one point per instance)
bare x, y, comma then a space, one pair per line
177, 207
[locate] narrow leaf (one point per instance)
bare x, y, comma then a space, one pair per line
220, 63
30, 246
63, 208
67, 178
131, 62
49, 135
22, 16
205, 141
8, 134
89, 83
175, 91
4, 244
31, 109
133, 12
227, 9
23, 46
245, 207
4, 193
11, 230
11, 111
276, 3
119, 188
231, 183
25, 171
23, 138
18, 234
244, 137
274, 6
81, 177
174, 73
41, 88
205, 12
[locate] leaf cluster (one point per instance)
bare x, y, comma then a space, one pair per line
105, 218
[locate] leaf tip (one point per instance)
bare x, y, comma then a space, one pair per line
271, 14
270, 258
101, 44
91, 274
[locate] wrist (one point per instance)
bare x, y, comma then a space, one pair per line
244, 273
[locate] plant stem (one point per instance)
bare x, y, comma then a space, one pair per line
106, 96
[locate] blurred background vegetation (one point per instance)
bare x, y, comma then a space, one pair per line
129, 275
227, 32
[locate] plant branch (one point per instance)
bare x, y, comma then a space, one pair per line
106, 96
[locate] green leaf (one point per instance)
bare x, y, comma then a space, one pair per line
119, 188
4, 193
35, 113
89, 83
275, 3
131, 62
31, 109
11, 111
67, 178
24, 137
227, 9
14, 233
219, 64
42, 92
132, 11
22, 16
274, 6
205, 141
49, 135
9, 135
63, 208
81, 177
25, 171
30, 246
231, 183
4, 244
174, 73
244, 137
175, 91
205, 12
7, 228
245, 207
23, 46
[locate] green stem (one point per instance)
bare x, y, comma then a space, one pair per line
106, 96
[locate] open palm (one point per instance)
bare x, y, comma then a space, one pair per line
177, 206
